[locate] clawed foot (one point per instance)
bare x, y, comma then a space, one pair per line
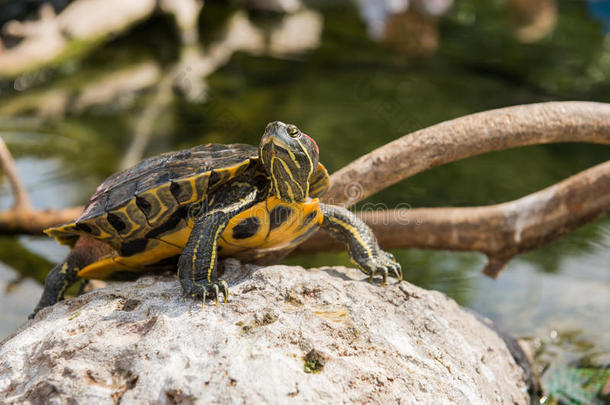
206, 289
383, 264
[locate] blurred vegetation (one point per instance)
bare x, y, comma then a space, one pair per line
18, 257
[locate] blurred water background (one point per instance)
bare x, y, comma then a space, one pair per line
354, 76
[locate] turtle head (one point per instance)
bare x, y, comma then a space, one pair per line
290, 158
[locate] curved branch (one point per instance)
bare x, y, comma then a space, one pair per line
471, 135
34, 222
500, 231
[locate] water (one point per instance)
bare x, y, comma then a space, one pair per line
352, 94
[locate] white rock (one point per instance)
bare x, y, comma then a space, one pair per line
139, 343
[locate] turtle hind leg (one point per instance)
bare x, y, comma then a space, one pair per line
59, 279
87, 250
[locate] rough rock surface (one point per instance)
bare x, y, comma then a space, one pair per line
287, 335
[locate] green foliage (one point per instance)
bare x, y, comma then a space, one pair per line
313, 362
576, 386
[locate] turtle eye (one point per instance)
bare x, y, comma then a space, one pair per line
293, 131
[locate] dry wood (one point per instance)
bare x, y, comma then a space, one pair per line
21, 198
471, 135
21, 218
500, 231
33, 222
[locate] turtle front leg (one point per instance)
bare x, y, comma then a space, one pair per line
197, 265
361, 243
198, 261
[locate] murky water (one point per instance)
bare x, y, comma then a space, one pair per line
352, 93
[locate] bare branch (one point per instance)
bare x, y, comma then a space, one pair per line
22, 200
34, 222
500, 231
474, 134
22, 218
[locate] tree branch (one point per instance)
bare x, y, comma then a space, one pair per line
34, 222
21, 198
21, 217
467, 136
500, 231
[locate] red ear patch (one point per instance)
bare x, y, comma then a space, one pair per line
314, 142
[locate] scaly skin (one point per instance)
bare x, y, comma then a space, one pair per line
197, 266
361, 243
87, 250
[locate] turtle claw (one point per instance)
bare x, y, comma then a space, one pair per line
393, 266
209, 290
216, 292
397, 272
225, 290
383, 264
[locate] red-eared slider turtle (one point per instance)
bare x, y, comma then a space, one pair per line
209, 201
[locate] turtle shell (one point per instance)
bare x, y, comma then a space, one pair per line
141, 203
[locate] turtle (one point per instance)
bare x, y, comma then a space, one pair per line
189, 208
